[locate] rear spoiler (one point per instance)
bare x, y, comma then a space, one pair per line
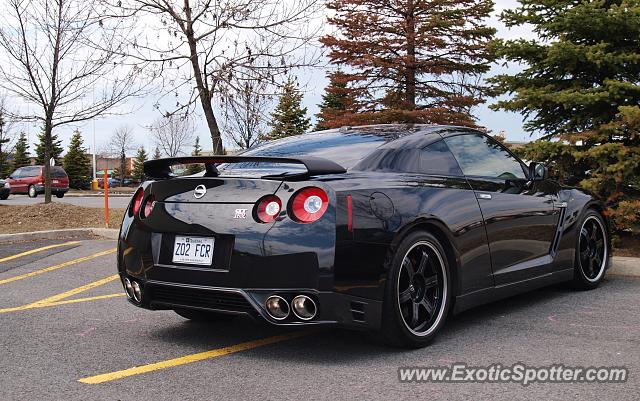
161, 168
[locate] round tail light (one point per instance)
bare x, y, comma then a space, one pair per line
267, 209
149, 203
308, 205
137, 201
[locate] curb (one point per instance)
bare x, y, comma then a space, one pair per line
77, 195
107, 233
625, 266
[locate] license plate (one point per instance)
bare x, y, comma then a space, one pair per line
56, 182
193, 250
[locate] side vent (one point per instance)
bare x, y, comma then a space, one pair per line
357, 311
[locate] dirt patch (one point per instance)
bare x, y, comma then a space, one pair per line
54, 216
627, 245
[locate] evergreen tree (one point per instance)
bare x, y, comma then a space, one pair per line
21, 152
56, 148
5, 165
197, 151
289, 118
581, 84
413, 60
76, 163
137, 173
339, 103
157, 154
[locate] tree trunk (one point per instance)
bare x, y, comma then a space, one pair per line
203, 91
410, 66
48, 127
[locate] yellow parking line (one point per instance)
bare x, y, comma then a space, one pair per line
105, 377
65, 302
32, 251
59, 299
58, 266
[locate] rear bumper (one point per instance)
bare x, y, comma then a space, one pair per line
333, 308
54, 190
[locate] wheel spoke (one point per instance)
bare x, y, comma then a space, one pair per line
430, 282
423, 263
405, 296
414, 314
594, 231
427, 305
408, 267
600, 243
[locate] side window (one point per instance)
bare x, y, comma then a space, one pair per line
29, 172
437, 159
17, 173
478, 155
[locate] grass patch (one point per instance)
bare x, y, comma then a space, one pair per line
54, 216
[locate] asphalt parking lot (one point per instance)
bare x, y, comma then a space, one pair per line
67, 332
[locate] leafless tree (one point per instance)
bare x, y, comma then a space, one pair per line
245, 107
173, 134
198, 45
62, 57
7, 136
122, 141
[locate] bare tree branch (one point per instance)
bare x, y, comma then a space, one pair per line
173, 134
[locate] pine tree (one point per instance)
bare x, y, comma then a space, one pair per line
413, 60
581, 85
157, 154
5, 165
76, 163
339, 103
137, 173
56, 149
197, 151
289, 118
581, 69
21, 152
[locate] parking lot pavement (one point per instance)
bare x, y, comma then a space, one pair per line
67, 332
116, 202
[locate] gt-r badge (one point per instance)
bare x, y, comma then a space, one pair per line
240, 214
200, 191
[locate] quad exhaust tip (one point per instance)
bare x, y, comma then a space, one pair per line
303, 307
128, 287
277, 307
133, 289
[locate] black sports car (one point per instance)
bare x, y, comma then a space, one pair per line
385, 228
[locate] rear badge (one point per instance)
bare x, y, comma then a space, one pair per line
200, 191
240, 214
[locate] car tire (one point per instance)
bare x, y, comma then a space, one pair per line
4, 197
418, 292
592, 252
204, 316
60, 195
32, 192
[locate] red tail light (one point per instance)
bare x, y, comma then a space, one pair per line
267, 209
149, 203
308, 205
137, 201
349, 213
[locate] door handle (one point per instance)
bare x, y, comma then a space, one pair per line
483, 196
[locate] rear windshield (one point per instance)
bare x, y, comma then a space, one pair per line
346, 149
58, 172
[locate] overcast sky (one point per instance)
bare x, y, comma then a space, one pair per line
143, 112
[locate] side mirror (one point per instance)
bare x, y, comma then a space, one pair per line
538, 171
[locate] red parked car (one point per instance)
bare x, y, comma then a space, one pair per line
30, 180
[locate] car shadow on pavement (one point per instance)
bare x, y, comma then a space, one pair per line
334, 346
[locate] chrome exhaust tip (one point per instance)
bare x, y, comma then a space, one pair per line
128, 287
303, 307
137, 291
277, 307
